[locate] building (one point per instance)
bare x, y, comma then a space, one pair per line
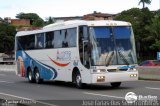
93, 16
99, 16
61, 19
17, 22
20, 22
25, 24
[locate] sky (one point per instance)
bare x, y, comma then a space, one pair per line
65, 8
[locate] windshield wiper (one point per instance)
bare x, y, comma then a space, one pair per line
122, 56
110, 58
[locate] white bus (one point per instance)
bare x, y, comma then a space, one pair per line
82, 52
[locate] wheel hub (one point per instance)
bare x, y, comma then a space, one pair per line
78, 79
37, 76
30, 76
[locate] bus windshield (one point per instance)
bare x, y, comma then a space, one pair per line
112, 46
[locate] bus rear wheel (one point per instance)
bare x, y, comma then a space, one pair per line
30, 77
115, 84
37, 77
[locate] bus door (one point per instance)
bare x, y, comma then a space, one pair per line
84, 49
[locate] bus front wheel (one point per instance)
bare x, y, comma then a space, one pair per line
115, 84
78, 81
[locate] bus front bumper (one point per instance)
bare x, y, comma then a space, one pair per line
114, 77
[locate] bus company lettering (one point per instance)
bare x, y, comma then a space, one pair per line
64, 55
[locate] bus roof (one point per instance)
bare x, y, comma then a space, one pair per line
74, 23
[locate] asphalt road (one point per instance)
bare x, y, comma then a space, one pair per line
15, 89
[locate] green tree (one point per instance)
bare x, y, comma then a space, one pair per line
7, 34
30, 16
154, 30
50, 20
145, 2
1, 20
134, 16
139, 18
33, 17
38, 23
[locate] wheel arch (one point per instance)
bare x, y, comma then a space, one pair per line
27, 72
74, 72
35, 68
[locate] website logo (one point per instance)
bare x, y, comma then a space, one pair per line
131, 97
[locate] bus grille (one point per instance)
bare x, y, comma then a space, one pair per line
116, 70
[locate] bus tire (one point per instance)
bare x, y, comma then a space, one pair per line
115, 84
38, 80
78, 81
30, 76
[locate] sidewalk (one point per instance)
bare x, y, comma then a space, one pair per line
6, 68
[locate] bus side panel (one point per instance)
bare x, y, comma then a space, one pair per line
21, 69
26, 61
62, 60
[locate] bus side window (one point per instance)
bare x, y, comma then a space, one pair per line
49, 40
31, 45
65, 41
26, 42
72, 37
58, 39
20, 44
40, 41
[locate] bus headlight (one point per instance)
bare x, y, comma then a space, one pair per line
99, 70
100, 78
133, 75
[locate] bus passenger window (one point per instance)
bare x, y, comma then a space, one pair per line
72, 37
31, 46
49, 40
40, 41
26, 42
58, 39
65, 43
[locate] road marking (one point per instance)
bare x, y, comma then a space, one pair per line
14, 96
152, 88
46, 103
6, 82
27, 99
89, 93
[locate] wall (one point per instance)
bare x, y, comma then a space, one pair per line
151, 73
20, 22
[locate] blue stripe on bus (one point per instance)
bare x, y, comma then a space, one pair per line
125, 67
46, 72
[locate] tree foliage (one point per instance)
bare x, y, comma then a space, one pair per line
7, 34
154, 30
30, 16
146, 27
38, 23
145, 2
50, 20
33, 17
